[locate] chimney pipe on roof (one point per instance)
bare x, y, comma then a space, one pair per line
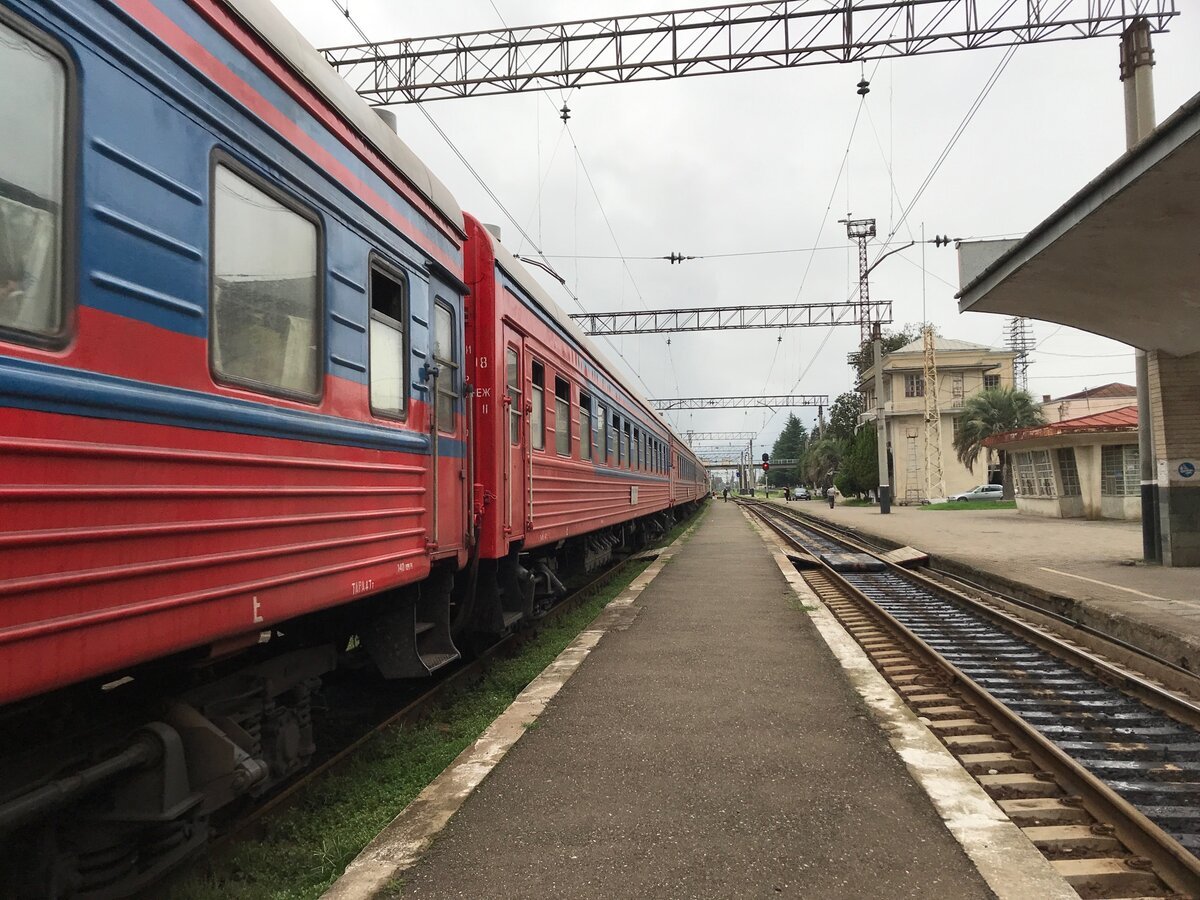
1045, 398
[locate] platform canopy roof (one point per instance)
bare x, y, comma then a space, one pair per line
1122, 257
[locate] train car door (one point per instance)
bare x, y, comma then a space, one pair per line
516, 441
447, 429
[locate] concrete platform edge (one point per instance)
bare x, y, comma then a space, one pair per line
401, 844
1012, 867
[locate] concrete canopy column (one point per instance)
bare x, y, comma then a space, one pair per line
1174, 389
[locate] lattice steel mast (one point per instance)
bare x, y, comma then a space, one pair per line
935, 480
739, 37
1020, 342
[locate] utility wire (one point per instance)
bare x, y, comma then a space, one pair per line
345, 11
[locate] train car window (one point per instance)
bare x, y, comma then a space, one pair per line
637, 448
537, 418
628, 446
33, 120
585, 425
445, 354
614, 438
602, 433
388, 342
562, 416
513, 375
265, 330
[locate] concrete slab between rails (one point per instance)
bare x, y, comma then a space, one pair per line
1012, 867
406, 838
1086, 571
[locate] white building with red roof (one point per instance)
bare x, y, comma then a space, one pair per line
1086, 467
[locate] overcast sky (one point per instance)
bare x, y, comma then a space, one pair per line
749, 162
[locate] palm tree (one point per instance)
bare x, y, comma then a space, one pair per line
994, 411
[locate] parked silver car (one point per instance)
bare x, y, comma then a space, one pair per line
981, 492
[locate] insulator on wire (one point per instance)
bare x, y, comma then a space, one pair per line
864, 87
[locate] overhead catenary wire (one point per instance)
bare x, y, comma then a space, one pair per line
344, 9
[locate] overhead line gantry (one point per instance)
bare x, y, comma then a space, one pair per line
722, 318
740, 37
773, 401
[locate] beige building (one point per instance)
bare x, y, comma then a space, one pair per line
963, 369
1086, 467
1106, 398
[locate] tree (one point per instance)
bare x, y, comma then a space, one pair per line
821, 460
859, 470
891, 341
843, 415
790, 444
994, 411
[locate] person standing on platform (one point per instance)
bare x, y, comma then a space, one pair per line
787, 495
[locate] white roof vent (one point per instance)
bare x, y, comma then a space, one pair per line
494, 229
389, 117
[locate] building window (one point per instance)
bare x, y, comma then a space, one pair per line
265, 290
562, 416
956, 388
991, 381
585, 426
1068, 472
1035, 475
537, 417
955, 422
1120, 474
914, 385
1044, 473
513, 378
388, 390
32, 179
445, 354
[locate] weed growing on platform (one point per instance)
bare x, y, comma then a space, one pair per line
303, 850
960, 505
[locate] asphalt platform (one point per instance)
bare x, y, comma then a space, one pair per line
711, 748
1089, 571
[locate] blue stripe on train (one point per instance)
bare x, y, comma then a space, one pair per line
46, 388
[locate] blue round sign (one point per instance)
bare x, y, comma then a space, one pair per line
1187, 469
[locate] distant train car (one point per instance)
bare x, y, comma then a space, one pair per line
572, 463
231, 326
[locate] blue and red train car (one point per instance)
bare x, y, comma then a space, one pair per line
268, 399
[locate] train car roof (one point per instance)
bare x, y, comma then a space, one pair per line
271, 25
522, 276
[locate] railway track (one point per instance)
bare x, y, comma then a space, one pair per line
1099, 765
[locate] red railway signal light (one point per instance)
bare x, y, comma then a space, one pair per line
766, 467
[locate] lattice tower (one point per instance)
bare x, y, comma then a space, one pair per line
935, 480
1020, 342
862, 230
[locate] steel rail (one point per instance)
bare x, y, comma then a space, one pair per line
853, 537
1178, 867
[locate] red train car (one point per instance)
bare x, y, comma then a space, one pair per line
231, 413
572, 463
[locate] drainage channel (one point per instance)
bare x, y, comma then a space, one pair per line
1104, 782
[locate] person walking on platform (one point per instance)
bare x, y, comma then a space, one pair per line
726, 494
787, 495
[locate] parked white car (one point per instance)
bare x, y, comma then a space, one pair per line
981, 492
